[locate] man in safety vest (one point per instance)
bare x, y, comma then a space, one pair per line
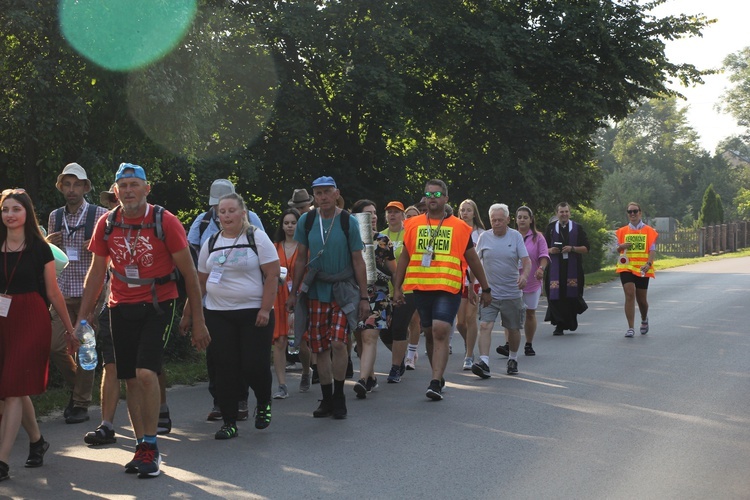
436, 250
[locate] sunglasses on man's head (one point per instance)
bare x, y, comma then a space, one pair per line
436, 194
633, 212
6, 192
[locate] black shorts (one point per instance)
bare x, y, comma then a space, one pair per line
641, 282
138, 336
104, 338
402, 317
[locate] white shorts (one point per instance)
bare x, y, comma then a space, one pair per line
531, 299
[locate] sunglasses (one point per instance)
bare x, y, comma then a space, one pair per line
633, 212
7, 192
436, 194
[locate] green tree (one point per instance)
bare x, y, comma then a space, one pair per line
742, 204
595, 223
736, 100
712, 211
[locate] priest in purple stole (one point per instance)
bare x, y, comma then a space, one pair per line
564, 281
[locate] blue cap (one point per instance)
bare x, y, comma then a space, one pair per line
137, 172
324, 181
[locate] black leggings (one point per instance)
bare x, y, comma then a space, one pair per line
241, 355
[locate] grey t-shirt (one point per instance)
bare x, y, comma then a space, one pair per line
500, 257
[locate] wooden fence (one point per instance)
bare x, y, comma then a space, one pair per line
710, 240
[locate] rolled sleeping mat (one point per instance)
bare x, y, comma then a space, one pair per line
365, 227
61, 260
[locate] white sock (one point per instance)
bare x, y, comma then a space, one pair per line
411, 350
486, 359
513, 355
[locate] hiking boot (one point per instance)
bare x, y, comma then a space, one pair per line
434, 391
339, 408
132, 466
77, 415
630, 333
644, 326
282, 393
102, 435
528, 350
227, 431
325, 409
468, 361
512, 367
394, 376
164, 425
480, 369
360, 387
36, 453
214, 414
503, 350
150, 461
242, 411
263, 415
304, 383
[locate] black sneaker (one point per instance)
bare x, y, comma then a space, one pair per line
315, 377
150, 461
480, 369
263, 416
360, 387
349, 369
503, 350
132, 466
558, 331
372, 383
512, 367
394, 376
36, 453
325, 409
4, 470
77, 415
164, 426
528, 350
434, 391
69, 407
102, 435
227, 431
339, 408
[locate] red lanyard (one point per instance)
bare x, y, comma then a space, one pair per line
5, 269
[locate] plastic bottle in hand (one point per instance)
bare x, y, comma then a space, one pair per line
87, 357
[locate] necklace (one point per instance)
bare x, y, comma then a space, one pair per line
223, 257
8, 249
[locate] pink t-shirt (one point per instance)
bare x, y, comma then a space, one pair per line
142, 248
537, 250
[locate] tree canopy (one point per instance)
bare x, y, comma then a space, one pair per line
500, 98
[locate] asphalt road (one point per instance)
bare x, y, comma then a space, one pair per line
593, 415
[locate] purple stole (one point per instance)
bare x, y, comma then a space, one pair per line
554, 274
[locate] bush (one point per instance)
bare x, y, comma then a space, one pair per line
595, 224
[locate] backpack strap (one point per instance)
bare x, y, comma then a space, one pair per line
88, 231
250, 241
208, 217
112, 223
59, 214
344, 220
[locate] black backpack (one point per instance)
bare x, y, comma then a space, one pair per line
159, 230
207, 219
344, 220
88, 226
250, 241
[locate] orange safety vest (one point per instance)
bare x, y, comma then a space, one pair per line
633, 259
446, 271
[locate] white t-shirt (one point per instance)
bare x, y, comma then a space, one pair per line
241, 282
500, 256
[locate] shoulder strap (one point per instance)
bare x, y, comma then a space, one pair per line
250, 241
158, 218
344, 222
205, 221
90, 221
59, 214
157, 224
111, 222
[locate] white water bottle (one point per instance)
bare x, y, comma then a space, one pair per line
87, 357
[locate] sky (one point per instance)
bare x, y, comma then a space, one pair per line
727, 35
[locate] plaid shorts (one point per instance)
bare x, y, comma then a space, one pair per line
326, 323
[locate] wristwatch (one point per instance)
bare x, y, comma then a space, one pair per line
365, 298
486, 290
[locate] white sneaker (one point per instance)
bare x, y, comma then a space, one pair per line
468, 361
630, 332
411, 362
282, 393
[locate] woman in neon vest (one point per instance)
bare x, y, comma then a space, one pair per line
636, 243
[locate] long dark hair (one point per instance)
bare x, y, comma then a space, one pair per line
31, 226
360, 205
532, 225
279, 236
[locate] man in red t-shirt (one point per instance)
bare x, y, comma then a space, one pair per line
141, 290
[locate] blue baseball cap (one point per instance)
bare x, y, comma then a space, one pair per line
137, 172
324, 181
